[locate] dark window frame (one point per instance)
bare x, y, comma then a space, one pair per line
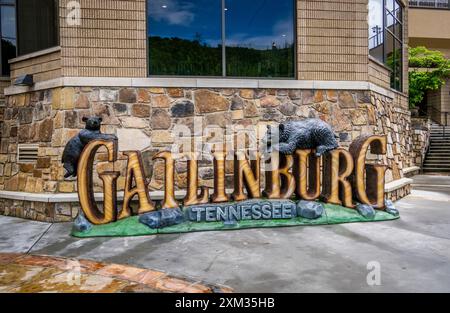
14, 5
56, 29
223, 61
395, 40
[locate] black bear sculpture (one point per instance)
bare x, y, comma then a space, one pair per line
304, 134
76, 145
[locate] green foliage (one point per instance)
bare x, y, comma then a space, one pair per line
175, 56
431, 69
394, 62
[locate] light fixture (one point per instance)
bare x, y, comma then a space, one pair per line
164, 6
24, 80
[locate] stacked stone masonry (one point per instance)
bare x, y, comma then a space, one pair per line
421, 139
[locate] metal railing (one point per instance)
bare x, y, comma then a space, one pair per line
438, 4
439, 117
376, 40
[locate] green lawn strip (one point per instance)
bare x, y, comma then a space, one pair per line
334, 214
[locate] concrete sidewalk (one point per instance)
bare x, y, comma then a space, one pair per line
413, 252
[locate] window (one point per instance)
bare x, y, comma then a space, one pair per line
229, 38
7, 34
386, 36
36, 25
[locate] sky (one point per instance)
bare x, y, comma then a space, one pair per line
250, 23
8, 21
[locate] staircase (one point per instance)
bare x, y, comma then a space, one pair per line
438, 156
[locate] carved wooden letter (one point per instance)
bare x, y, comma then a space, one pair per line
136, 175
338, 166
219, 178
307, 173
246, 175
169, 201
109, 195
85, 186
280, 183
192, 197
370, 191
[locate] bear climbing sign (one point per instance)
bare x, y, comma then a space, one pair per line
308, 175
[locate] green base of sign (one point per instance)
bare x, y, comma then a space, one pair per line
334, 214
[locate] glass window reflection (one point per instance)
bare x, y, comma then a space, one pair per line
7, 34
260, 38
385, 19
376, 34
185, 37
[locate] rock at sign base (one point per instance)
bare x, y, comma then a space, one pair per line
310, 209
162, 218
367, 211
390, 208
81, 224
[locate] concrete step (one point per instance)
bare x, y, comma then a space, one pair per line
437, 163
438, 155
432, 137
439, 149
436, 170
446, 135
438, 158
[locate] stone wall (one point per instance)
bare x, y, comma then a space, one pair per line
39, 211
50, 118
399, 193
421, 139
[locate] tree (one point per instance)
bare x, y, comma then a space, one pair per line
429, 70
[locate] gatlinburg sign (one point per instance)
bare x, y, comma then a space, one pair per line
306, 165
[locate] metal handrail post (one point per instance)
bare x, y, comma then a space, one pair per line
446, 121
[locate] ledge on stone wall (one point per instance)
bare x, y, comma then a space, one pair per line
397, 184
410, 170
191, 82
154, 195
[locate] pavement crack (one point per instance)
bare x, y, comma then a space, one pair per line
208, 268
40, 237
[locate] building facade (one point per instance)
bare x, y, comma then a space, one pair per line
147, 66
430, 27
